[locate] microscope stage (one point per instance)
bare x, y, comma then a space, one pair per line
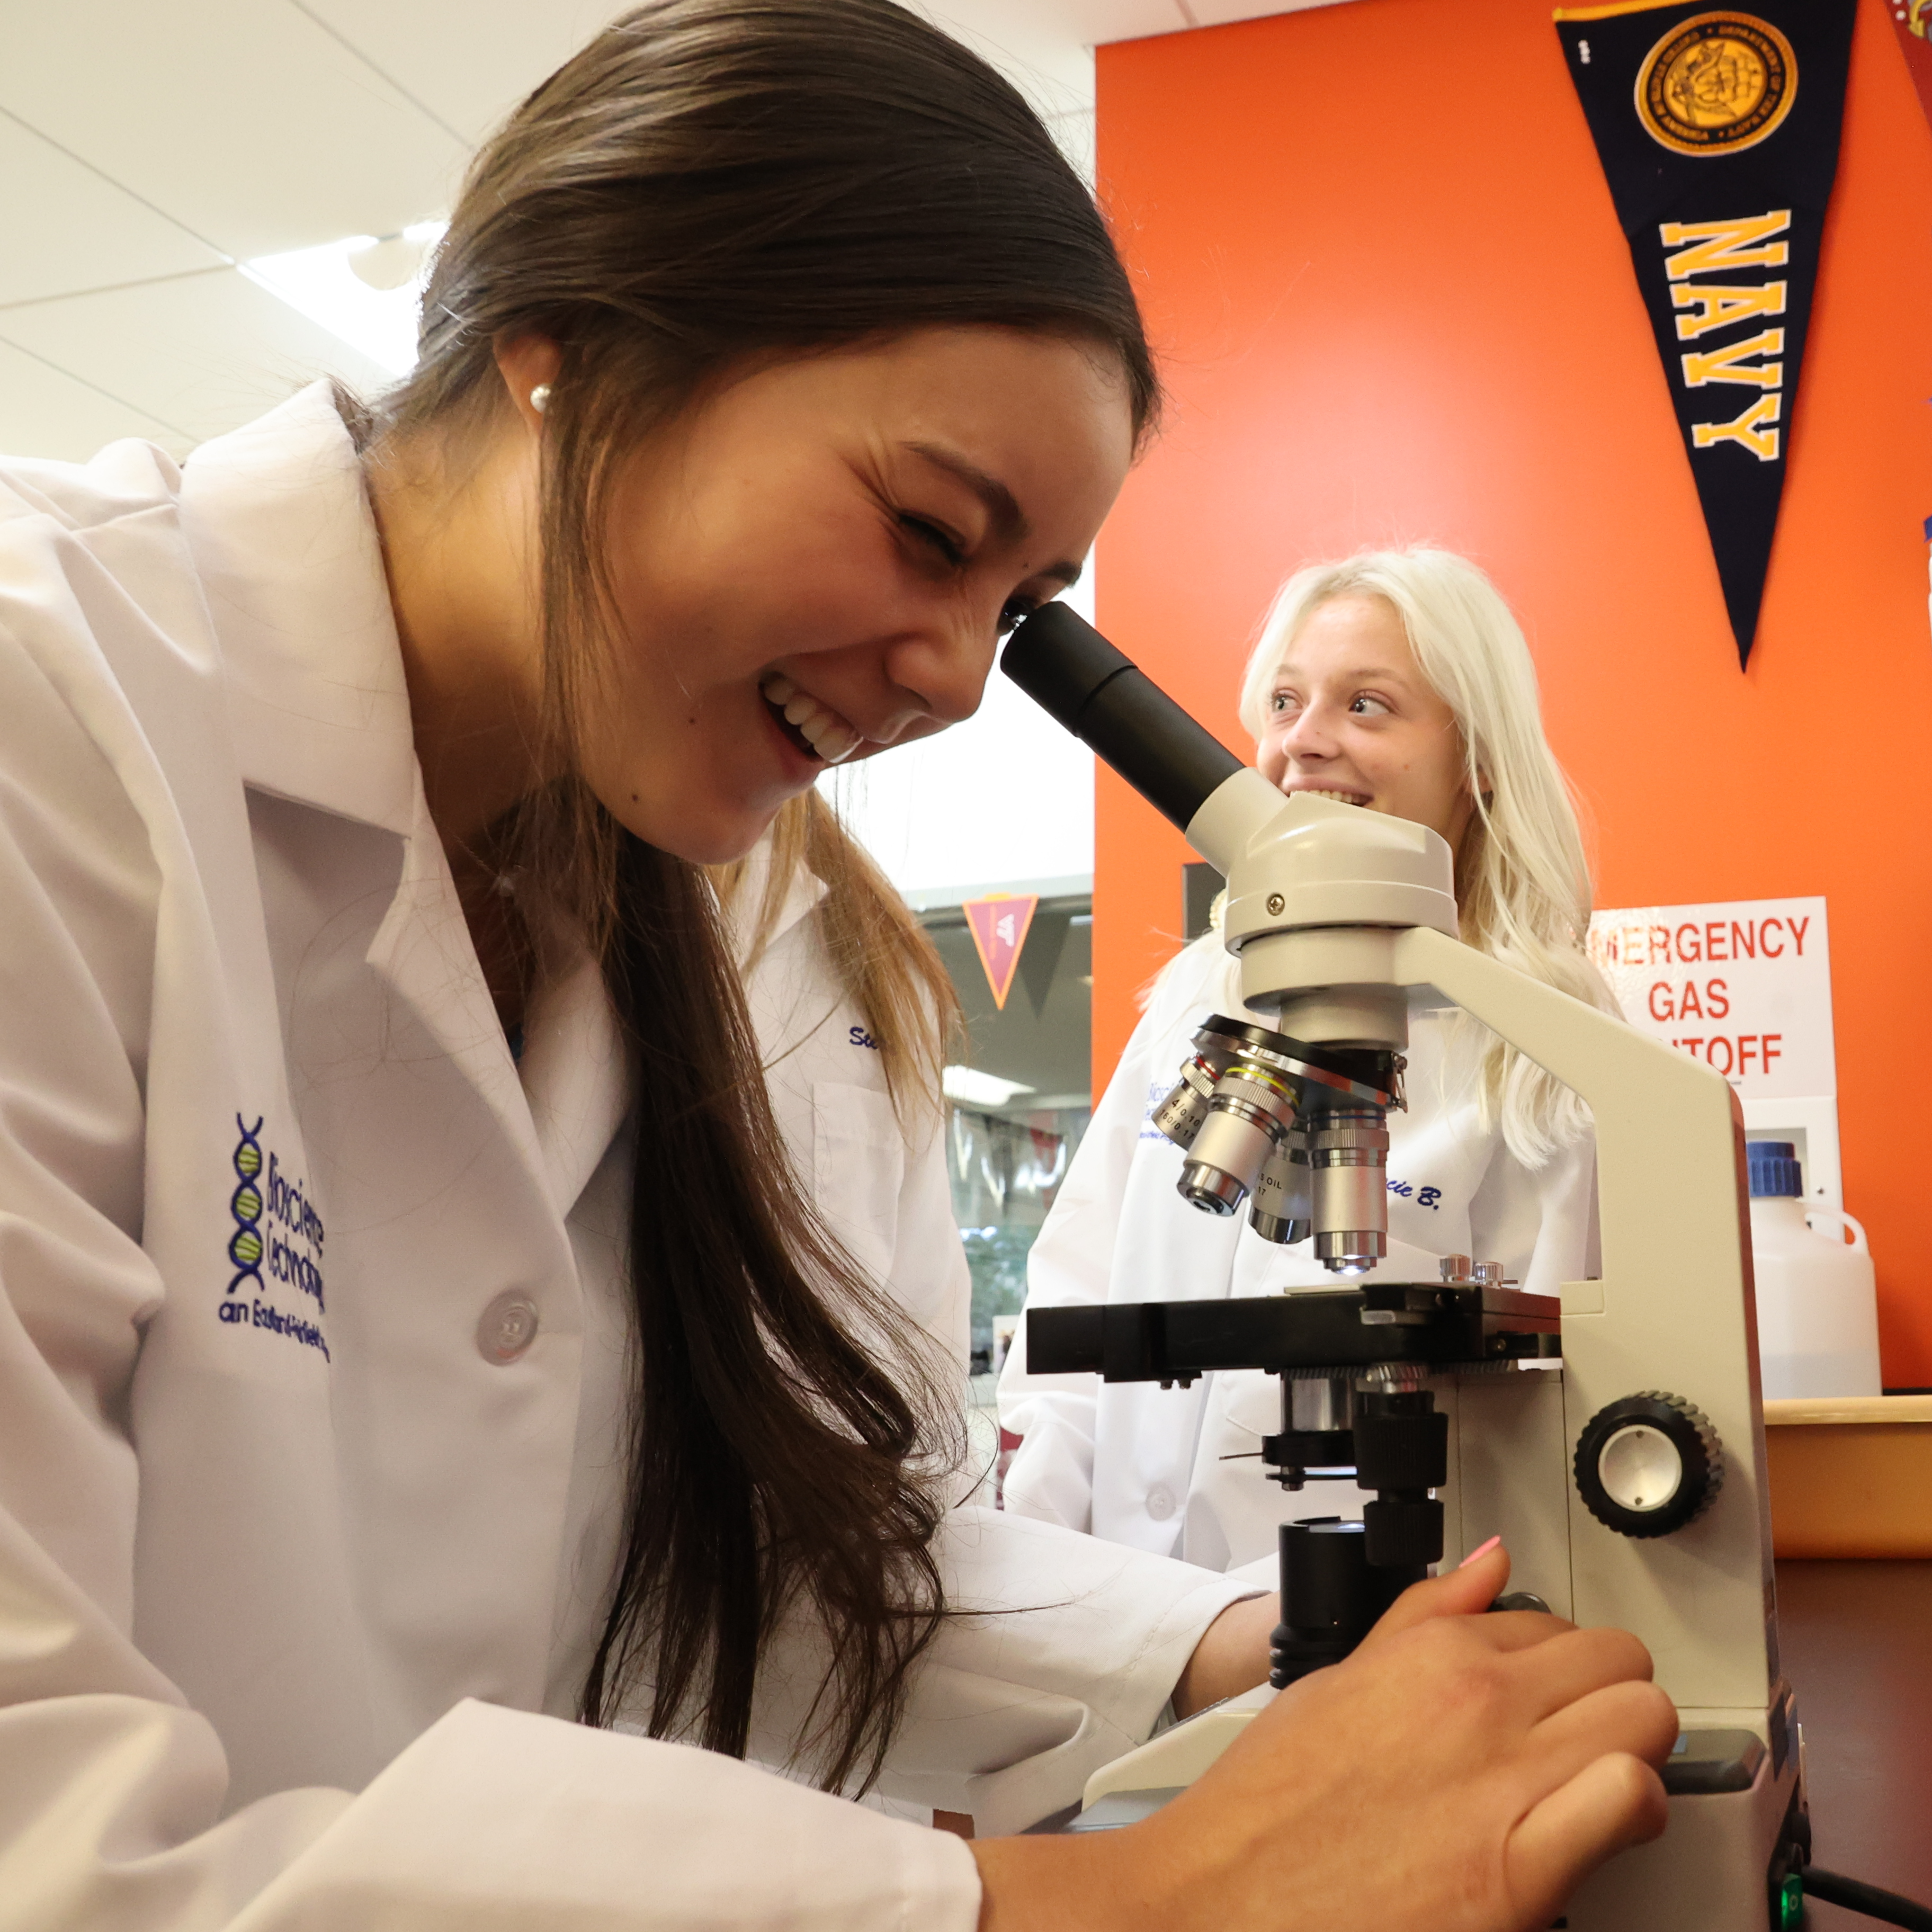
1425, 1323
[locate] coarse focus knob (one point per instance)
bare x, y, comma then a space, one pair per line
1649, 1464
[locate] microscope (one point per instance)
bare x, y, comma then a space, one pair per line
1613, 1434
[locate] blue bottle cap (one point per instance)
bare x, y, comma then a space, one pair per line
1772, 1168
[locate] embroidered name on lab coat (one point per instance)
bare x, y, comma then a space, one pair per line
1423, 1197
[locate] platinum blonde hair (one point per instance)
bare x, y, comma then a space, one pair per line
1522, 881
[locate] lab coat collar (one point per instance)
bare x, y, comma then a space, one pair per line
286, 548
286, 545
573, 1077
802, 897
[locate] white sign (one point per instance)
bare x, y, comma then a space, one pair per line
1743, 985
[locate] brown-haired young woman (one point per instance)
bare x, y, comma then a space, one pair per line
415, 1339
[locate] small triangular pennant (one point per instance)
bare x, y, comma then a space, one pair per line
999, 924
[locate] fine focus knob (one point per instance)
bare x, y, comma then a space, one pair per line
1649, 1464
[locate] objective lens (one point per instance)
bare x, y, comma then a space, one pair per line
1179, 1117
1348, 1152
1282, 1208
1249, 1116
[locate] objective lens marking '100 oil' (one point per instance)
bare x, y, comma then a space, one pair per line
244, 1246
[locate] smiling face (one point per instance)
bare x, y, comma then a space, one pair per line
1350, 714
815, 562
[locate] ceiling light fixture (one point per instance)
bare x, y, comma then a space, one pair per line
968, 1084
366, 288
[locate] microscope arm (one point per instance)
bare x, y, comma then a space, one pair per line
1674, 1310
1668, 1128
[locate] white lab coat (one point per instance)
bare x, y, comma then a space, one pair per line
303, 1545
879, 1181
1178, 1471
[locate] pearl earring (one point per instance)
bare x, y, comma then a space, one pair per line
540, 397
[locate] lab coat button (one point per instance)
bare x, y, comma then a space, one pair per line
1160, 1502
508, 1327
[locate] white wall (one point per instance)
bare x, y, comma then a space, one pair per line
1005, 800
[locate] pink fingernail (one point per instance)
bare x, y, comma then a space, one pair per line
1477, 1556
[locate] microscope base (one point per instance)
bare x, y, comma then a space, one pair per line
1177, 1757
1709, 1872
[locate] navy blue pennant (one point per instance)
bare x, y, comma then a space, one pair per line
1717, 129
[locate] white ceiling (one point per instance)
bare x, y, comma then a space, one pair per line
148, 148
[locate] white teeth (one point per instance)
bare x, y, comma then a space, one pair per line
1339, 797
827, 733
822, 728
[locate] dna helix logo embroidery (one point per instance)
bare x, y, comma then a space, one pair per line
245, 1247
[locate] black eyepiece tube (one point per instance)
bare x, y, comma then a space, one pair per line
1066, 667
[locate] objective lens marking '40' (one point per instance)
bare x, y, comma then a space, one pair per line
245, 1204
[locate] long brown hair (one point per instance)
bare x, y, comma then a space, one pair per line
710, 180
879, 953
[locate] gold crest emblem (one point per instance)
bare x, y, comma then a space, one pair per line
1718, 83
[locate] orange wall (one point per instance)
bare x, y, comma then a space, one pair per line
1392, 303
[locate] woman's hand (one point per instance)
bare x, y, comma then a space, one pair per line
1459, 1773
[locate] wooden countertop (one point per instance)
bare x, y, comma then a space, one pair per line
1851, 1477
1863, 1409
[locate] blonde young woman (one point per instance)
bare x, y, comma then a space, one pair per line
1400, 681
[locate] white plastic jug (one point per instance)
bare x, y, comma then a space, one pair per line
1817, 1302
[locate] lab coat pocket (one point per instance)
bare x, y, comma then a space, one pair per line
858, 1159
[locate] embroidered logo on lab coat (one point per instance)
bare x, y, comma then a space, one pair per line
289, 1247
245, 1204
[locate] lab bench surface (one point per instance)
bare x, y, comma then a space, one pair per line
1857, 1643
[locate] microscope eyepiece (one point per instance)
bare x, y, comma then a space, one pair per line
1073, 674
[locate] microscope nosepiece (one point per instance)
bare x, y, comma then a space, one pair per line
1236, 1112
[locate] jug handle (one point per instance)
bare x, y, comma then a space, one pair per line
1813, 1215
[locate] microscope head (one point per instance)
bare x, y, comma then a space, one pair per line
1293, 1117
